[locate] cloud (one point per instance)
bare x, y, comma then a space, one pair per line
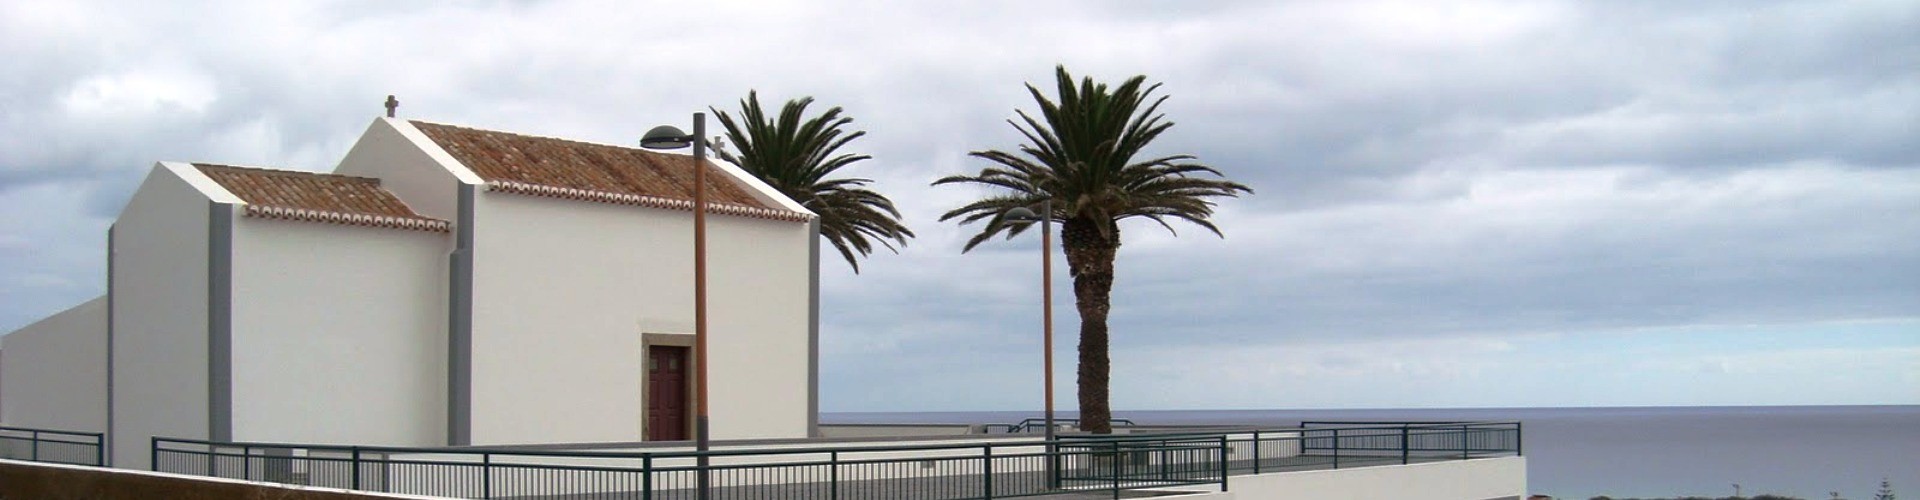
1461, 173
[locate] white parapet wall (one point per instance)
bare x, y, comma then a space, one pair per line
833, 431
53, 373
1502, 478
339, 334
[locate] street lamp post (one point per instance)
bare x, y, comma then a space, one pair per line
670, 137
1045, 217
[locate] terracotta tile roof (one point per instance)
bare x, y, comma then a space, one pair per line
339, 199
544, 166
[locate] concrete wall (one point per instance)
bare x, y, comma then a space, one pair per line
1481, 479
160, 310
53, 373
565, 291
338, 333
834, 431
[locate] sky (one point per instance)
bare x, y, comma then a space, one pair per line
1457, 204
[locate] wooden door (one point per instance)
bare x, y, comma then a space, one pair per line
666, 393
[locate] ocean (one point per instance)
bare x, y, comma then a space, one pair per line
1578, 453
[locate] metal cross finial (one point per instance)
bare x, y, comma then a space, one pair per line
392, 104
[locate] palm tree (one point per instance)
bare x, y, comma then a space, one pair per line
796, 155
1080, 155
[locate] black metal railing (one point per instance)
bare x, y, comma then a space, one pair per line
1004, 469
50, 445
985, 470
1040, 425
1339, 445
1335, 445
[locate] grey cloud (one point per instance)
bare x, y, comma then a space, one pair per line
1774, 246
1774, 139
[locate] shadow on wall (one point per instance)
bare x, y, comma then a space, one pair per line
19, 480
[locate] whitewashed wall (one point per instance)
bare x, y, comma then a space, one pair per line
758, 312
338, 334
160, 312
564, 291
53, 373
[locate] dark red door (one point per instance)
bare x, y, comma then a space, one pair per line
666, 393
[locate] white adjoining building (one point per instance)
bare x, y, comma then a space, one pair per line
443, 286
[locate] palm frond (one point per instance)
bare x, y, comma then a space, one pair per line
1082, 149
797, 155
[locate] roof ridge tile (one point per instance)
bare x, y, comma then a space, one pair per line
285, 172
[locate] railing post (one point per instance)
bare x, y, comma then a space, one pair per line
1336, 447
646, 477
1116, 469
833, 475
1053, 463
1256, 451
1463, 443
486, 475
100, 450
1223, 458
1162, 453
1518, 435
355, 462
986, 468
1404, 436
153, 452
33, 443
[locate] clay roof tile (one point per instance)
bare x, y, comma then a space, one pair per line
342, 199
613, 172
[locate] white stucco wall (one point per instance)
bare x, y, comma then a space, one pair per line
160, 312
1479, 479
410, 166
338, 333
53, 373
758, 311
564, 291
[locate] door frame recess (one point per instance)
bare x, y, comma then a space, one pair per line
647, 343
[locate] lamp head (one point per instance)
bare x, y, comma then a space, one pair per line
666, 137
1021, 214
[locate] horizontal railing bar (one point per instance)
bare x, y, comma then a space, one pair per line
1412, 425
658, 468
44, 440
53, 431
677, 454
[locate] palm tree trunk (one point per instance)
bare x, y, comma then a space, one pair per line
1090, 260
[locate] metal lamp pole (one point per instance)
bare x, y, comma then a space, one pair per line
669, 137
1046, 313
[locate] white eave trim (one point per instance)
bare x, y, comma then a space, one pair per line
433, 150
200, 182
765, 191
524, 188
